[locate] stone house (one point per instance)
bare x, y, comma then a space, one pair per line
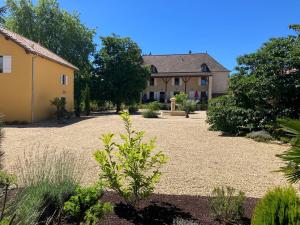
199, 75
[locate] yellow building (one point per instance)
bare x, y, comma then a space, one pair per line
30, 77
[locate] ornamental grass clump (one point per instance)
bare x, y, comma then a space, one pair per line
227, 204
47, 180
280, 206
130, 168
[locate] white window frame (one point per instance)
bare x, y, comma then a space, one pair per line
6, 64
64, 80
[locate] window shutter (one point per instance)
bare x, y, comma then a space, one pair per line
67, 79
173, 81
61, 79
6, 64
180, 81
171, 94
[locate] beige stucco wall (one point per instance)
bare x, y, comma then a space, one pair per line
220, 82
48, 86
15, 87
219, 85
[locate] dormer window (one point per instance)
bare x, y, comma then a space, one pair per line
153, 69
204, 68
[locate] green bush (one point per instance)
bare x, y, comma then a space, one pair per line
260, 136
227, 204
48, 180
134, 108
280, 206
130, 168
223, 115
154, 106
181, 97
85, 205
60, 104
189, 106
150, 114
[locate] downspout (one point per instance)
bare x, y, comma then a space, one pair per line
32, 87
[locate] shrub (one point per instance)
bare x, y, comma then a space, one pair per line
223, 115
260, 136
130, 168
189, 106
280, 206
227, 204
47, 181
150, 114
85, 205
183, 222
60, 104
154, 106
181, 97
133, 108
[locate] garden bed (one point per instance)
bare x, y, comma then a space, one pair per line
163, 209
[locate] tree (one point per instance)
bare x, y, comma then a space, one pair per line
61, 32
265, 87
2, 12
130, 168
119, 66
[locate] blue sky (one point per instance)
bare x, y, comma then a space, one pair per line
225, 29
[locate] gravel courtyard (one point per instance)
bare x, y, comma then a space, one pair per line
199, 160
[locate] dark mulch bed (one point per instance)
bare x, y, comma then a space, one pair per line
163, 209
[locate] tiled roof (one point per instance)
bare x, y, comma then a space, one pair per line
35, 48
183, 63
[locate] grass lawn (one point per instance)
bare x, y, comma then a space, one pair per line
199, 160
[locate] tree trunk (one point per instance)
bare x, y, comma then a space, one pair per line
118, 107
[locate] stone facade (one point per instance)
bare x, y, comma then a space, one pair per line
198, 75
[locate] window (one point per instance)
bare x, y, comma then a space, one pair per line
203, 81
204, 68
176, 81
151, 95
153, 69
151, 81
64, 79
5, 64
176, 93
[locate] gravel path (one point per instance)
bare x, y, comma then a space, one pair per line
199, 159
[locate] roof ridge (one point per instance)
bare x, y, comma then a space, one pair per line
176, 54
32, 49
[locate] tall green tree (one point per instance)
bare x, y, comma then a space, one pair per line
119, 66
56, 29
266, 86
2, 12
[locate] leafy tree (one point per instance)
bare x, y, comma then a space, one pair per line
61, 32
291, 156
2, 12
266, 86
119, 66
130, 168
87, 102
